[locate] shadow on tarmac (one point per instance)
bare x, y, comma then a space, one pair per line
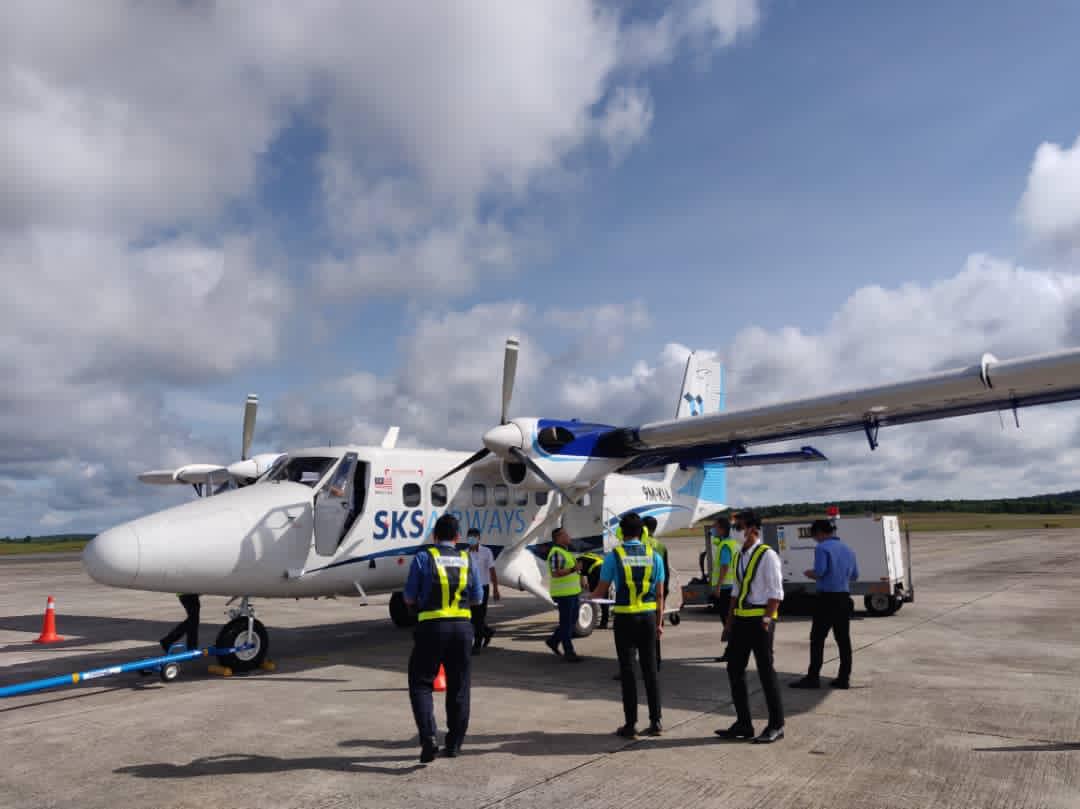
249, 764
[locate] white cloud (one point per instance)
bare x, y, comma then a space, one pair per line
1050, 206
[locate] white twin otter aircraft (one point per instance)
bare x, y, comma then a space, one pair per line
346, 521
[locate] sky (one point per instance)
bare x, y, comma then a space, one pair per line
346, 207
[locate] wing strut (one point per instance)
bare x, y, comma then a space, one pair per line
870, 427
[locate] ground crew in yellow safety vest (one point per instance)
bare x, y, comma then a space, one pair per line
638, 575
722, 572
750, 626
565, 589
442, 585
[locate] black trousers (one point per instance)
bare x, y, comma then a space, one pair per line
636, 632
189, 626
447, 643
479, 618
723, 605
831, 611
749, 635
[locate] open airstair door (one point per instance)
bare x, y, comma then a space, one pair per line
585, 522
333, 507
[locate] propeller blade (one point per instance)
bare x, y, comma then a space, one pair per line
510, 358
479, 455
250, 406
540, 473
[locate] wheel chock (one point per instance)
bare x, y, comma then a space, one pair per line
268, 665
224, 671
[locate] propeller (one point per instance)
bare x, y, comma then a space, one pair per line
540, 473
510, 358
250, 408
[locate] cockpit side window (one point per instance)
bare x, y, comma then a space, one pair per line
308, 470
554, 438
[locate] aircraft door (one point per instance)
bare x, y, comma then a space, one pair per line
333, 507
586, 522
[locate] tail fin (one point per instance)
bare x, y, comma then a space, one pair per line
703, 386
703, 393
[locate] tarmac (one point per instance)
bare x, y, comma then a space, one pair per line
965, 698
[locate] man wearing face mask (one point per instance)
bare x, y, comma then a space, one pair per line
482, 561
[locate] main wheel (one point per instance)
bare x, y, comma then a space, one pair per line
588, 617
234, 633
400, 613
879, 604
675, 618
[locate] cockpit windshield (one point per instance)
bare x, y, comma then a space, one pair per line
308, 469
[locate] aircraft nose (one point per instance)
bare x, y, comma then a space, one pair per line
112, 557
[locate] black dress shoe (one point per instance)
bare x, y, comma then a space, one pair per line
428, 752
573, 657
736, 731
488, 636
627, 732
806, 682
770, 735
553, 645
451, 752
721, 659
838, 683
654, 729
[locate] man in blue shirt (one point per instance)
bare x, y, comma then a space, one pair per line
638, 574
835, 568
442, 584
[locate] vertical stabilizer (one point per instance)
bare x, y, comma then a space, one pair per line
703, 386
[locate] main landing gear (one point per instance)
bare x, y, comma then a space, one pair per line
243, 629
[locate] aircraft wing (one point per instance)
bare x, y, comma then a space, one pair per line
990, 385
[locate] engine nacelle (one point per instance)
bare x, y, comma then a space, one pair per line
566, 473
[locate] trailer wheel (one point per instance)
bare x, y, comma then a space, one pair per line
897, 603
169, 672
675, 619
879, 604
400, 613
588, 617
234, 633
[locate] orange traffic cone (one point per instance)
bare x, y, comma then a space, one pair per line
440, 679
48, 629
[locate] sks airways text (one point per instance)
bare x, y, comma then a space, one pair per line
347, 520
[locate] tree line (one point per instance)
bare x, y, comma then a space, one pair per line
1061, 503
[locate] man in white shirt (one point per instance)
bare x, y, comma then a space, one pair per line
750, 626
483, 561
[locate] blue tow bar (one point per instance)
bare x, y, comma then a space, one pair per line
149, 664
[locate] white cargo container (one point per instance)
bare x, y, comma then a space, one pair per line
884, 576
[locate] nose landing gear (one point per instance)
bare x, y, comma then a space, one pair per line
243, 629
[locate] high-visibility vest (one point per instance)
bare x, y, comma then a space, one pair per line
635, 591
742, 610
449, 579
714, 574
561, 586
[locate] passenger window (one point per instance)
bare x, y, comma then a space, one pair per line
410, 494
438, 495
541, 498
502, 495
521, 497
479, 495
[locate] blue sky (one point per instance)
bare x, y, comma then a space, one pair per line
383, 197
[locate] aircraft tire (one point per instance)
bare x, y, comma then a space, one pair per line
400, 613
232, 634
587, 619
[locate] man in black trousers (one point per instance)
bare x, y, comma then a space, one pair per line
189, 626
637, 572
442, 584
750, 626
835, 568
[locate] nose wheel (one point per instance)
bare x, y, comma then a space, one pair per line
243, 630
